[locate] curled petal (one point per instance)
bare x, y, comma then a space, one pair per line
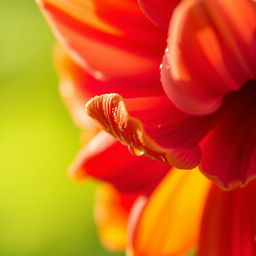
169, 223
111, 215
106, 159
110, 111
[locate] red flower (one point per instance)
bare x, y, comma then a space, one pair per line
206, 114
128, 65
201, 113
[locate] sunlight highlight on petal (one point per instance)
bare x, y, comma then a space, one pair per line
169, 223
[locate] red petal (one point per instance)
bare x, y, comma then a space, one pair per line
107, 38
142, 85
106, 159
159, 11
229, 151
166, 124
211, 51
229, 223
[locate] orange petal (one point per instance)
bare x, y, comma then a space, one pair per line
111, 215
71, 77
169, 224
110, 111
105, 37
77, 9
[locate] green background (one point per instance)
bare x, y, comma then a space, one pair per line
42, 212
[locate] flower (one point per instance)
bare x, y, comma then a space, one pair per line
102, 156
208, 68
207, 115
201, 113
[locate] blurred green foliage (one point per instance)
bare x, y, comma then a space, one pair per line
42, 212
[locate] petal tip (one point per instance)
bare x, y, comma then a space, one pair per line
230, 184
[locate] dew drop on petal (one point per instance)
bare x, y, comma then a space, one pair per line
136, 151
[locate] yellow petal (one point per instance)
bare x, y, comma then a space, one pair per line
111, 215
77, 9
169, 223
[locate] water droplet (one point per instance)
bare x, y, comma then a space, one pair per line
136, 151
139, 152
162, 158
166, 50
161, 66
98, 75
